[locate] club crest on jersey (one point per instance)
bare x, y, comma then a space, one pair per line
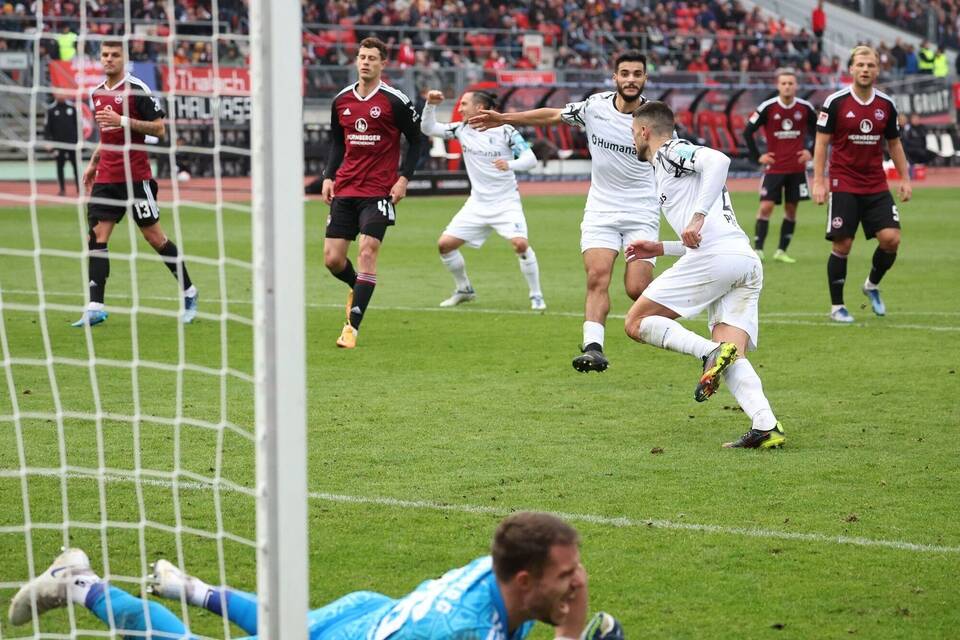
879, 114
374, 111
797, 115
866, 126
787, 124
360, 125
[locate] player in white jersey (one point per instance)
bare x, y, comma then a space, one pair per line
621, 206
718, 272
492, 157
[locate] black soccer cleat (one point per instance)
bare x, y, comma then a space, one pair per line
590, 360
755, 439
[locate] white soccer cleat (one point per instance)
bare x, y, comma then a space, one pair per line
168, 581
459, 297
841, 315
537, 303
49, 589
190, 307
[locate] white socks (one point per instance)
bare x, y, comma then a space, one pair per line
530, 270
746, 387
869, 286
670, 334
592, 332
457, 267
79, 586
191, 292
94, 306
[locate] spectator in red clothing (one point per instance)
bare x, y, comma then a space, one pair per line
406, 57
524, 63
819, 20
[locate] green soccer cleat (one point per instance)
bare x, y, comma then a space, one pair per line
756, 439
713, 365
781, 256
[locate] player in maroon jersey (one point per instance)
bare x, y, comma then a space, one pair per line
126, 112
788, 124
360, 182
854, 122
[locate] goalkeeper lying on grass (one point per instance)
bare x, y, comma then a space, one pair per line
533, 574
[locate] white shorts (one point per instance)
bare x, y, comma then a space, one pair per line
616, 230
475, 220
726, 285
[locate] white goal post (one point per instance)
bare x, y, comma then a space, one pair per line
145, 436
279, 245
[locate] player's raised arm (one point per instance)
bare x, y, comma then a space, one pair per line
428, 119
488, 118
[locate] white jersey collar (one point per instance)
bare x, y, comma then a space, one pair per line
372, 93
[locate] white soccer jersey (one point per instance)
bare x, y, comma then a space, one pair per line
691, 178
480, 150
619, 180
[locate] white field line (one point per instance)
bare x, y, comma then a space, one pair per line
784, 318
605, 521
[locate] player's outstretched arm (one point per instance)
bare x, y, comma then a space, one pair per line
488, 118
820, 167
895, 147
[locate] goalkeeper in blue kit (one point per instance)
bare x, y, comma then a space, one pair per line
533, 574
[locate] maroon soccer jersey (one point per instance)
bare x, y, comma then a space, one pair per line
857, 131
130, 98
786, 129
366, 141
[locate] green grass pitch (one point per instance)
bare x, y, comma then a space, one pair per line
442, 421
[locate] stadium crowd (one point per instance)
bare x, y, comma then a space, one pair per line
713, 35
913, 16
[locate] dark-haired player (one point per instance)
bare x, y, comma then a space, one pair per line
788, 124
533, 574
622, 204
491, 158
854, 122
360, 183
126, 113
718, 273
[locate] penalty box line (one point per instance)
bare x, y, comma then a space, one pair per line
619, 522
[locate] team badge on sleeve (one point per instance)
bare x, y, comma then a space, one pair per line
754, 117
822, 118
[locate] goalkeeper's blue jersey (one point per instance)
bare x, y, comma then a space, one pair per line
463, 604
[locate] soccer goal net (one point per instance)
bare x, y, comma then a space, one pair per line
169, 423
